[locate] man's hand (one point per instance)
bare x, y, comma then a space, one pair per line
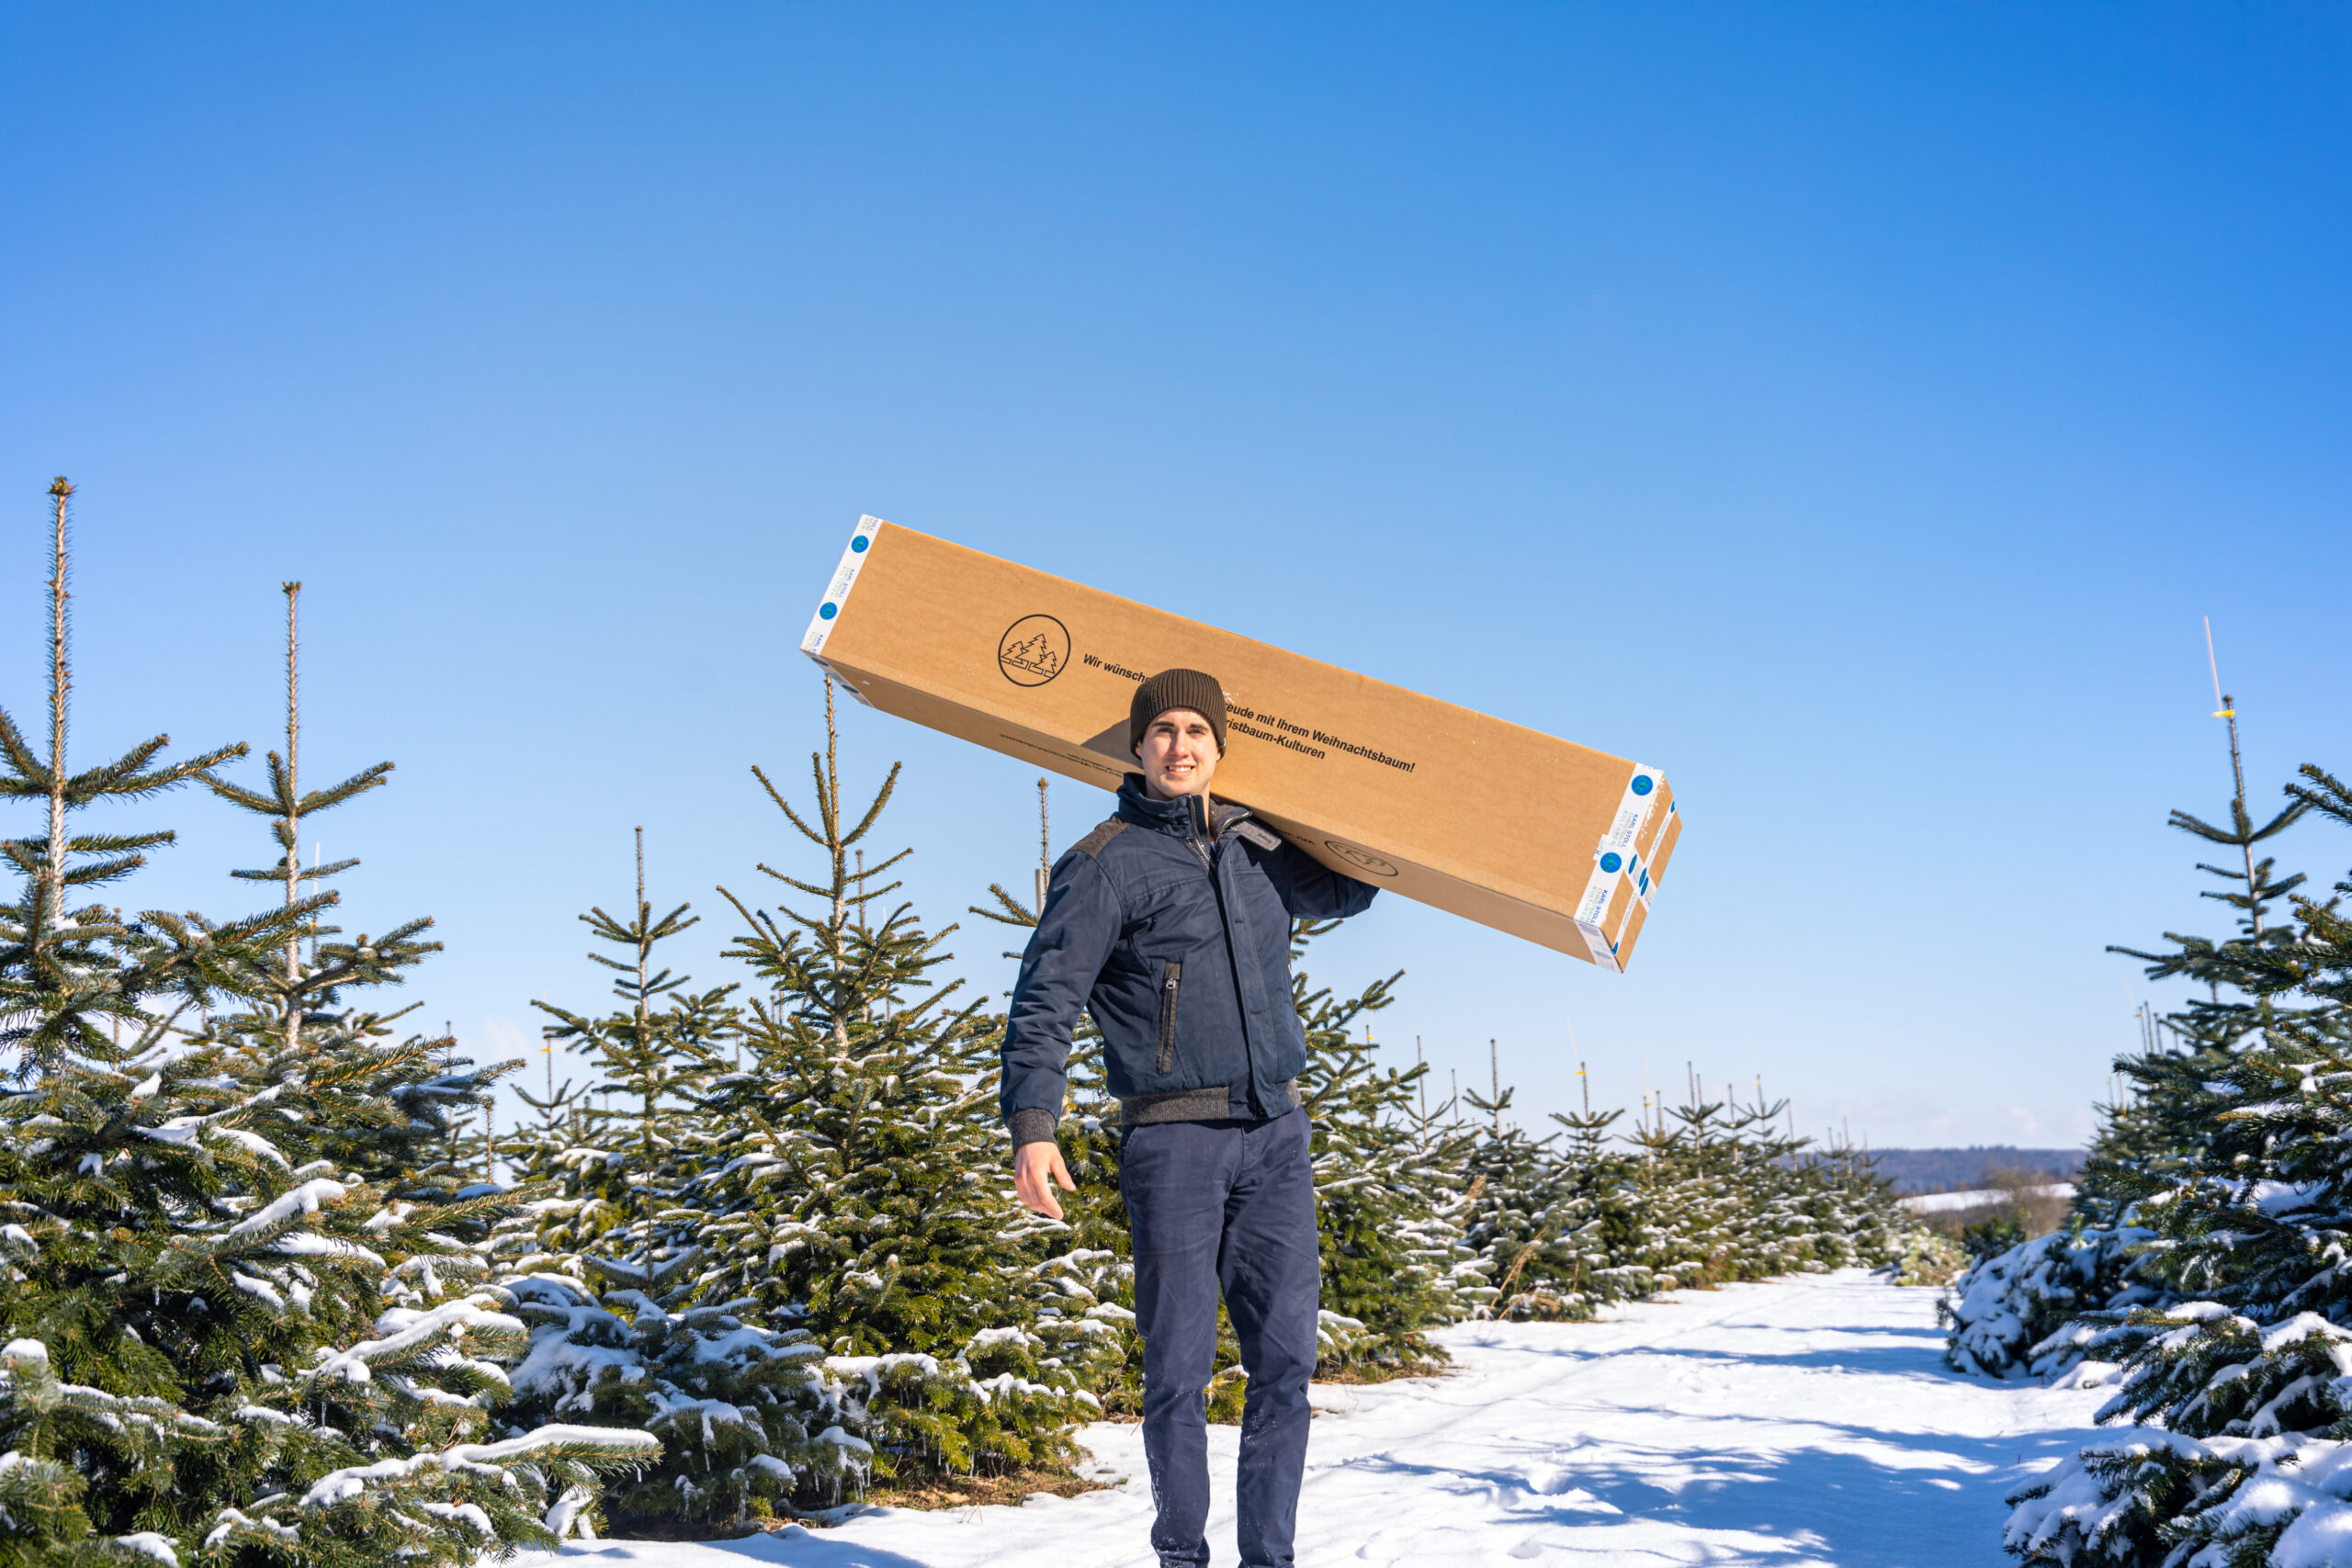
1032, 1164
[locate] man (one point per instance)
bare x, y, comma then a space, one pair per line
1170, 923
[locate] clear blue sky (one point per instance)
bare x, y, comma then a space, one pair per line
1850, 411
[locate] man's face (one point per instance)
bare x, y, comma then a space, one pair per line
1179, 754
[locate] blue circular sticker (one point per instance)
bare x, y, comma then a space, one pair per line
857, 544
1644, 783
827, 611
1610, 860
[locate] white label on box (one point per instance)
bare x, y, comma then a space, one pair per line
1598, 891
1614, 859
1642, 882
1633, 809
836, 598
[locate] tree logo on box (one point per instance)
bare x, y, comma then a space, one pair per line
1033, 651
1363, 860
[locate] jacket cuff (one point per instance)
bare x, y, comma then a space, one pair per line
1031, 1127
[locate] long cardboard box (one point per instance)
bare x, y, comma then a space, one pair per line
1532, 835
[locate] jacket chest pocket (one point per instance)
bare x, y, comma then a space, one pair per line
1171, 972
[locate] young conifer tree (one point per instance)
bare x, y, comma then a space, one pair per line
2239, 1360
2172, 1119
1600, 1212
297, 987
1510, 1218
2235, 1372
1389, 1246
212, 1349
2026, 1308
1082, 1289
864, 1195
1689, 1182
612, 1261
406, 1105
71, 979
630, 1179
561, 1119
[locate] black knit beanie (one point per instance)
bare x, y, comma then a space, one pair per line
1176, 689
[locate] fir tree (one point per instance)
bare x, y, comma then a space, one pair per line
403, 1111
71, 979
1687, 1181
2240, 1358
627, 1182
742, 1410
1509, 1219
1599, 1211
623, 1330
863, 1198
296, 988
229, 1335
1084, 1290
2024, 1307
2171, 1121
1389, 1247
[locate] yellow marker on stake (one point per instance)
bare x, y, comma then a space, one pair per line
2221, 708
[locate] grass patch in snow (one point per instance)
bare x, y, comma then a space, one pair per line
1011, 1489
1378, 1371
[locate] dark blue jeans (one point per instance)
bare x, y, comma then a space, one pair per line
1223, 1206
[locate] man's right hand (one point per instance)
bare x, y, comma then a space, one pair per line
1033, 1165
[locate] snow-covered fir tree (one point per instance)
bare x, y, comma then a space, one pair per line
2238, 1375
2170, 1121
864, 1196
1689, 1182
1598, 1207
233, 1329
612, 1260
2020, 1310
1842, 1214
2024, 1310
1396, 1263
1087, 1276
1513, 1220
629, 1160
746, 1422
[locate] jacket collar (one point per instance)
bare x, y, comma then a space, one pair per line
1192, 817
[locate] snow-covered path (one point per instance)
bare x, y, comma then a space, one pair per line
1802, 1422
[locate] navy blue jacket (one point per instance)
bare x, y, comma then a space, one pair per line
1171, 924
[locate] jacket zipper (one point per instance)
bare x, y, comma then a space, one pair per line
1173, 972
1196, 830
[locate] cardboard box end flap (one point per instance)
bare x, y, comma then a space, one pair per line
1519, 830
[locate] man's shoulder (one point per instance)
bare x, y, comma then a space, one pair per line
1109, 844
1120, 848
1095, 842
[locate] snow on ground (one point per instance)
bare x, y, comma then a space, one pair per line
1809, 1421
1944, 1203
